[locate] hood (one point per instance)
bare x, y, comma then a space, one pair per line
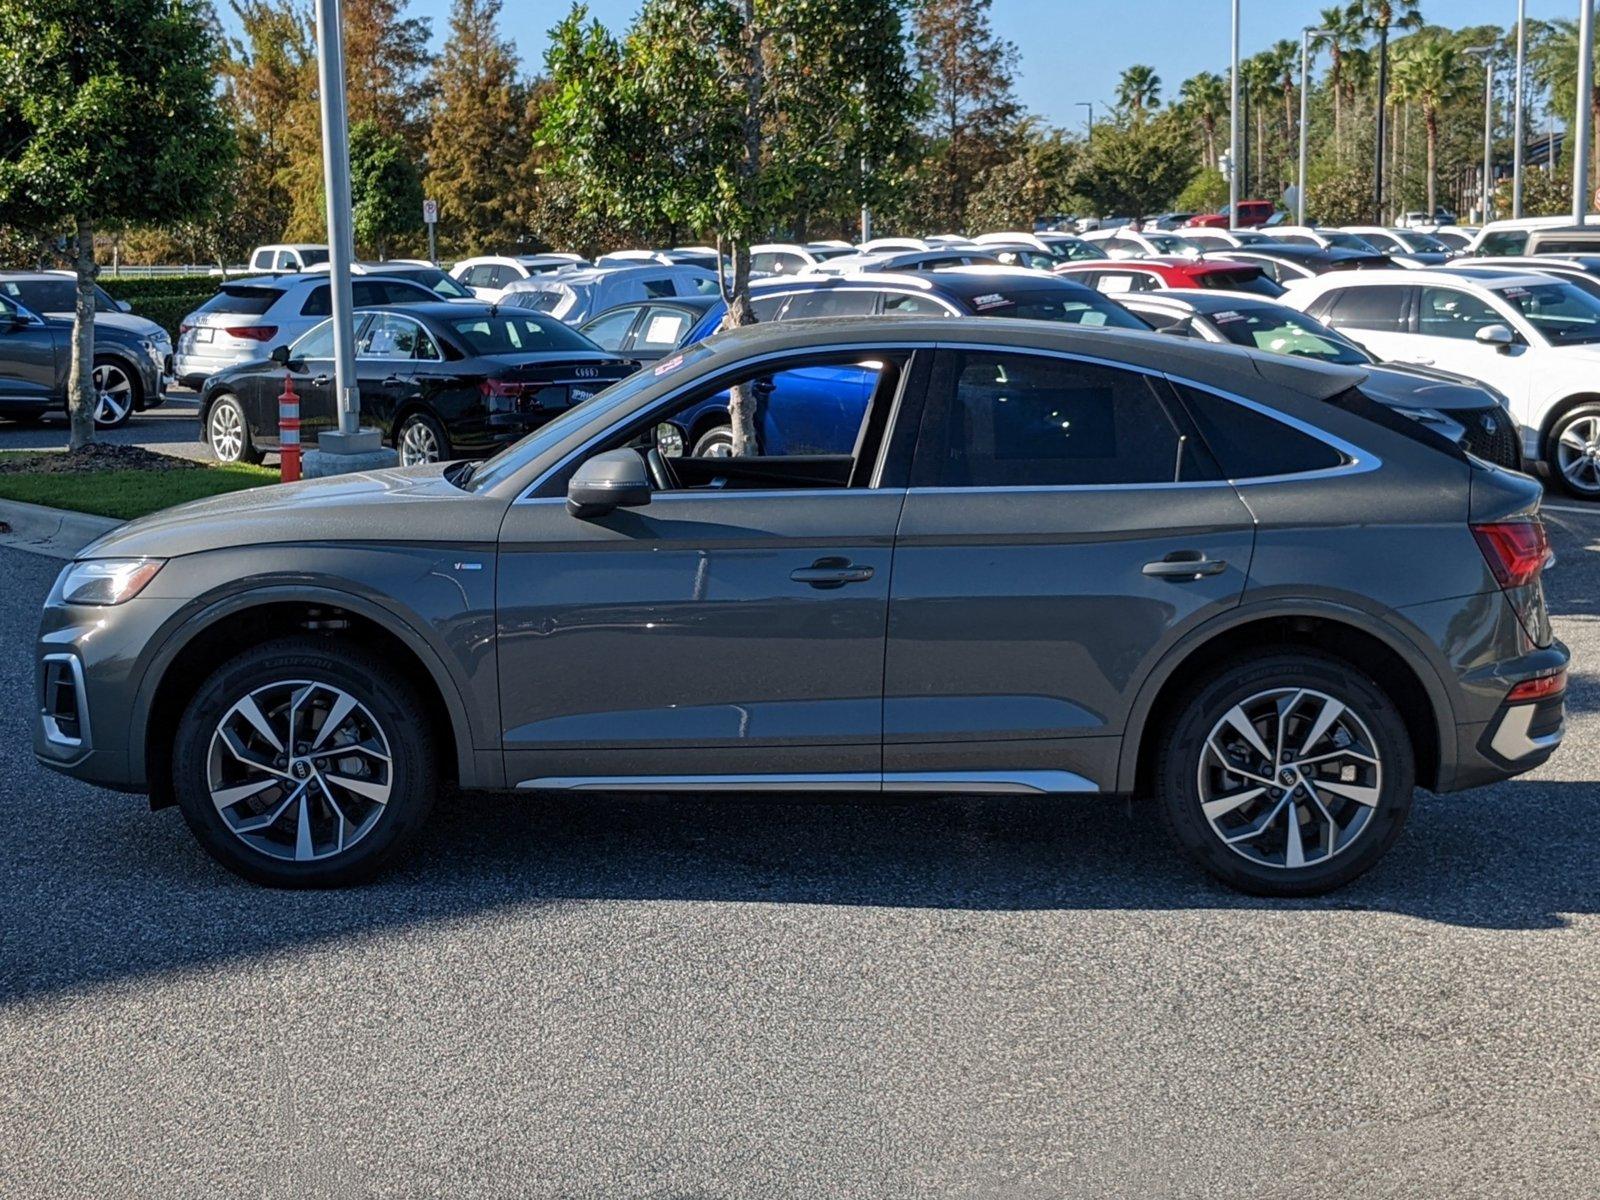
1405, 386
414, 504
129, 323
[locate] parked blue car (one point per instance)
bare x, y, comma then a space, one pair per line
818, 410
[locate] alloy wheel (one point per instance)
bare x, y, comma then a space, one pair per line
716, 444
1289, 778
299, 770
227, 433
113, 394
418, 445
1578, 453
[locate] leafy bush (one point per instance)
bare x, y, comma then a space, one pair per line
1207, 192
160, 285
168, 311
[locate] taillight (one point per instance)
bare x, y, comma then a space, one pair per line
184, 328
502, 395
253, 333
1538, 688
1515, 550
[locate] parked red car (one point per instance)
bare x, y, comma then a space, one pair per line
1149, 274
1252, 213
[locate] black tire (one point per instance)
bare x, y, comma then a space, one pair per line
386, 698
1584, 421
132, 399
228, 432
426, 426
716, 442
1183, 755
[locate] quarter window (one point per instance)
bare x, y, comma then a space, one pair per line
1248, 444
837, 302
1016, 420
903, 304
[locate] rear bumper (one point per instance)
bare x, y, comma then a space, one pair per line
1517, 738
192, 370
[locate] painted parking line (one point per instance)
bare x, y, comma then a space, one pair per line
1567, 508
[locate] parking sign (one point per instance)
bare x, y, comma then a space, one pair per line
430, 212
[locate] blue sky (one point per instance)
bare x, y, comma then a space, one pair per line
1073, 50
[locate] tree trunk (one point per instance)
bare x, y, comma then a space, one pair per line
81, 393
741, 398
1432, 117
1337, 82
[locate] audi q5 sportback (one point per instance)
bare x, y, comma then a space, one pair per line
1055, 560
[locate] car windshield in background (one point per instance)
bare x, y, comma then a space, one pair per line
1424, 243
1166, 243
832, 252
1048, 304
51, 295
1564, 314
1246, 279
543, 301
245, 300
507, 334
1076, 251
434, 280
1349, 241
1283, 332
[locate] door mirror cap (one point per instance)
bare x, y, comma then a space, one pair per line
280, 355
124, 306
615, 479
1496, 335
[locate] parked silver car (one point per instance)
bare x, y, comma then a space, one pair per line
245, 320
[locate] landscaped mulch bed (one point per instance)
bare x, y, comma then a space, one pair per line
97, 456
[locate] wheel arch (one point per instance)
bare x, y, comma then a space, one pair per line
412, 404
1395, 663
1558, 410
234, 623
124, 358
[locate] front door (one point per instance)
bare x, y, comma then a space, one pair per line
734, 627
33, 358
1062, 529
310, 371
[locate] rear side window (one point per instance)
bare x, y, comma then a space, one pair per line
1249, 279
1248, 444
247, 301
1504, 241
1380, 309
842, 302
1018, 420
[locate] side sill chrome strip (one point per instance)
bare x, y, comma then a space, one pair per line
1029, 783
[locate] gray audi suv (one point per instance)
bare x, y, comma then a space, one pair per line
1054, 560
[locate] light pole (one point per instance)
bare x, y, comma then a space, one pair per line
1580, 134
1516, 113
1233, 126
1089, 104
349, 447
1486, 53
1306, 35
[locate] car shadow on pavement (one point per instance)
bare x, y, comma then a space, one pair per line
112, 891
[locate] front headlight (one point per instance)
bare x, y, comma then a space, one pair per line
106, 580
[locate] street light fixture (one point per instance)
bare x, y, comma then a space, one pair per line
1516, 110
1306, 35
1233, 125
1486, 53
1580, 134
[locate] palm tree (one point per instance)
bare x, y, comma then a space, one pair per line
1554, 61
1285, 56
1258, 80
1379, 17
1139, 90
1205, 97
1344, 35
1431, 75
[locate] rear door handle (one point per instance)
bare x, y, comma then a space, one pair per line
831, 572
1185, 564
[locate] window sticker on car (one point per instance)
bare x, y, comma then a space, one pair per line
671, 364
664, 329
990, 300
1222, 318
1514, 293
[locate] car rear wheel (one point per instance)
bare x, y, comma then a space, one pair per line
422, 439
1575, 451
228, 433
1286, 775
715, 443
116, 394
303, 763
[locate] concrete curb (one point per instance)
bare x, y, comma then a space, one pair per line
55, 532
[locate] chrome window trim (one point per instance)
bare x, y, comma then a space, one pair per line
668, 398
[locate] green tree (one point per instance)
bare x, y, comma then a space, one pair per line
478, 144
385, 187
1379, 17
1344, 35
969, 74
1139, 91
1137, 168
1431, 75
1030, 185
108, 115
1554, 63
1206, 192
714, 115
1204, 98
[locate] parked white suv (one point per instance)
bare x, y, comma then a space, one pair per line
488, 275
1533, 337
575, 296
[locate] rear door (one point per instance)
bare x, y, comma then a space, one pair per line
1376, 315
1062, 530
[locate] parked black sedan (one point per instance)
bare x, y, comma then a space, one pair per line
441, 381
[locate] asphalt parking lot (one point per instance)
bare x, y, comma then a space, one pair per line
171, 428
575, 997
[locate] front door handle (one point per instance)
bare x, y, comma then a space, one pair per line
319, 381
1185, 564
394, 381
831, 573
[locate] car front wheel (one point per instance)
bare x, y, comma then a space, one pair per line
304, 763
228, 433
116, 394
1286, 775
1575, 451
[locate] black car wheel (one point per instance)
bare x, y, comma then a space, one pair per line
228, 433
116, 393
304, 763
422, 439
1286, 775
1575, 451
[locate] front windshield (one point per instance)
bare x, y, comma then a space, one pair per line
1076, 248
598, 408
1053, 304
830, 252
505, 333
1284, 331
1167, 243
1349, 241
1564, 314
1422, 243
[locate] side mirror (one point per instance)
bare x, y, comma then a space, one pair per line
280, 355
1497, 335
615, 479
124, 306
